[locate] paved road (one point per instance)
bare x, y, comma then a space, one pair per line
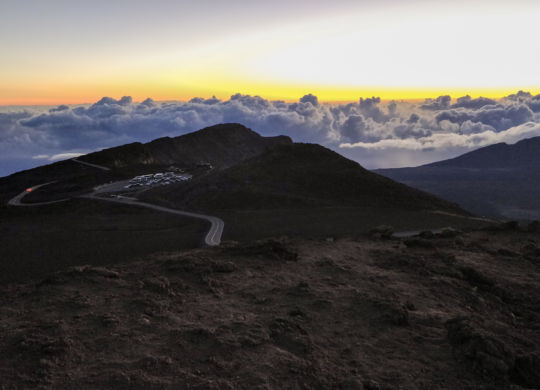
91, 165
117, 186
212, 238
16, 201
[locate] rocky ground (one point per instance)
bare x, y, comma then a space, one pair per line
455, 312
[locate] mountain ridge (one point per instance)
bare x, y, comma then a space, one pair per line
298, 175
523, 153
498, 180
221, 145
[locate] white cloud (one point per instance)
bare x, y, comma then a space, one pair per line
434, 129
64, 156
443, 141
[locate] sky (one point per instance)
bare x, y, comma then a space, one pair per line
75, 51
387, 83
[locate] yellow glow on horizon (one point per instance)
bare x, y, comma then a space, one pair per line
179, 90
402, 52
190, 82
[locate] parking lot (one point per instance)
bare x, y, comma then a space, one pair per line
157, 179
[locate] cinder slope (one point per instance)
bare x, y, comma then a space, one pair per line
297, 175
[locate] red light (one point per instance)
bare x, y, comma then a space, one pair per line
28, 190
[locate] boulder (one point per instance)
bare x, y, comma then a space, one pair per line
382, 231
488, 356
449, 232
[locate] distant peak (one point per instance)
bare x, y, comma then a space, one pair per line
226, 129
227, 126
500, 155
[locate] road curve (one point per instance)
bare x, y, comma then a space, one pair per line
91, 165
212, 238
16, 201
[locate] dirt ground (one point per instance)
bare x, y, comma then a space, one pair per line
454, 312
35, 241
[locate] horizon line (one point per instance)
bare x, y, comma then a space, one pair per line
414, 98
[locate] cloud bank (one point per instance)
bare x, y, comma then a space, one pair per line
375, 133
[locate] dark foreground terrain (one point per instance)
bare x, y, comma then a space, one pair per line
35, 241
454, 312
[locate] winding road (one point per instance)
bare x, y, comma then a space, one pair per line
212, 238
91, 165
16, 201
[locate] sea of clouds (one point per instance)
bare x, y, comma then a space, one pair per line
374, 133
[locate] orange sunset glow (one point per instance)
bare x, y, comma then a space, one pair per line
400, 51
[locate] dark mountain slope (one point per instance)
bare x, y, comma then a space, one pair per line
260, 186
67, 171
296, 175
499, 180
521, 155
220, 145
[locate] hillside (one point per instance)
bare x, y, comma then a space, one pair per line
497, 181
221, 145
66, 171
36, 240
438, 313
273, 188
296, 175
524, 154
306, 190
217, 146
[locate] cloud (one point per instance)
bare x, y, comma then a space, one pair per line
373, 132
309, 98
468, 102
355, 129
533, 102
57, 157
414, 118
64, 156
441, 103
59, 108
452, 140
500, 117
